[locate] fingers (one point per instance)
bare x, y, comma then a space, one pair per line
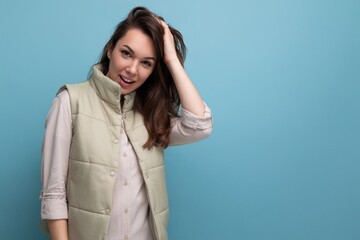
162, 22
165, 26
169, 44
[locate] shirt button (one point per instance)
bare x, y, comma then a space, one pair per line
112, 173
126, 183
116, 140
124, 155
126, 238
126, 210
107, 211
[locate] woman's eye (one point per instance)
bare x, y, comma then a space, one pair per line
125, 53
146, 64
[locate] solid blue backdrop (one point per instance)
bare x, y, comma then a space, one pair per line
282, 78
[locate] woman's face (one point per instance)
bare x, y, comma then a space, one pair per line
132, 60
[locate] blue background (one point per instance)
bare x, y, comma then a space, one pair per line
282, 78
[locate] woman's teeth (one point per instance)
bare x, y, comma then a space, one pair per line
127, 80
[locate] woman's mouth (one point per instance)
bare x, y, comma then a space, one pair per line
125, 82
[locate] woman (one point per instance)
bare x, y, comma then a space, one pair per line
103, 169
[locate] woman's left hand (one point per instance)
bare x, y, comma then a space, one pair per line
169, 45
189, 96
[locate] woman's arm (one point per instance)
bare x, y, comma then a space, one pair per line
190, 128
55, 154
189, 96
58, 229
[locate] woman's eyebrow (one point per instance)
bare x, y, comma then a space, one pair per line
132, 52
129, 48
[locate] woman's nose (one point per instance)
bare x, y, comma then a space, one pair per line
132, 68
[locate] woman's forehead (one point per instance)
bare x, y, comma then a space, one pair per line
138, 42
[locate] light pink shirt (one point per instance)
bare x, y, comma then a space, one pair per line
129, 218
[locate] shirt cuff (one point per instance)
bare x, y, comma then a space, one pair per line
193, 121
53, 206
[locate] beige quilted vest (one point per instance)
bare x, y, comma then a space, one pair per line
93, 162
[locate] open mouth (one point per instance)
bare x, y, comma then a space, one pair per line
126, 80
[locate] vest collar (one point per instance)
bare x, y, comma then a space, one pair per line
109, 91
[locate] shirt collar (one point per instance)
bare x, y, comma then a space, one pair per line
109, 91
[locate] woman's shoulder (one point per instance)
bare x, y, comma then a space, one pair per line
63, 95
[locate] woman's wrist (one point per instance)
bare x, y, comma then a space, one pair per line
174, 64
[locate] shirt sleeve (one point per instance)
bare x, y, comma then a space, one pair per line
190, 128
55, 154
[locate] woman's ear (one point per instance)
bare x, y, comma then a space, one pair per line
109, 50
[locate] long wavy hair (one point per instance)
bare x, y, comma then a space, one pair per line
157, 98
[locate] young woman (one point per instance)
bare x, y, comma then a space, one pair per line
102, 168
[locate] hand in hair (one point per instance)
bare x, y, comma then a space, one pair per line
189, 96
169, 44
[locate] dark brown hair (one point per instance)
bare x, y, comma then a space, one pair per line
157, 99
